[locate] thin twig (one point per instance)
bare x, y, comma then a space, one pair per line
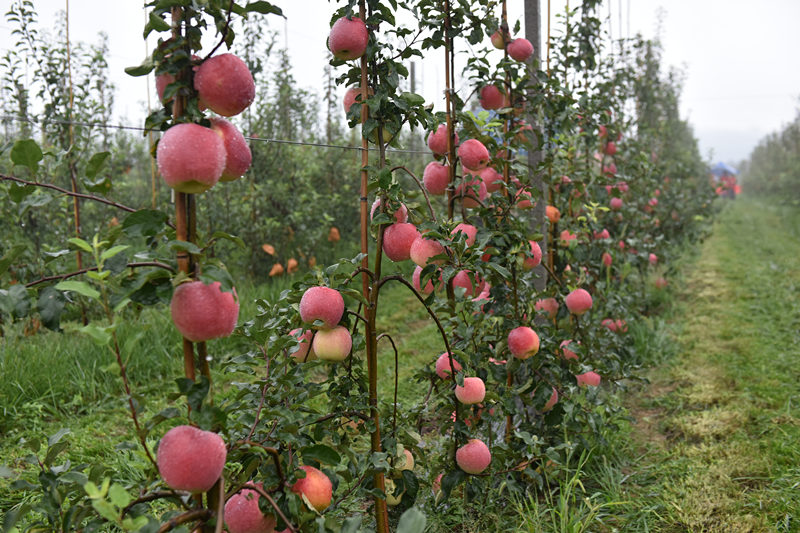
92, 269
189, 516
396, 379
224, 31
274, 505
421, 188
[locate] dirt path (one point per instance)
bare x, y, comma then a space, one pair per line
717, 433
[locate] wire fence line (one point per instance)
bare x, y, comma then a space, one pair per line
6, 118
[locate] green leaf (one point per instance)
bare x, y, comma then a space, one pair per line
80, 243
451, 481
413, 99
80, 287
96, 162
27, 153
10, 256
145, 223
119, 496
111, 252
321, 453
53, 452
50, 306
100, 335
412, 521
352, 525
105, 509
141, 70
56, 437
92, 490
157, 23
184, 246
265, 8
233, 238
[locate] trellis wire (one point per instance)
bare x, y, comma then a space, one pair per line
147, 130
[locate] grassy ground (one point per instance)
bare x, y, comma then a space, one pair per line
714, 446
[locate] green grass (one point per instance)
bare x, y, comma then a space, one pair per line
714, 443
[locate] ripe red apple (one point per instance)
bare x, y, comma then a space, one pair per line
316, 488
661, 283
352, 95
237, 153
473, 155
415, 278
473, 391
203, 312
332, 344
348, 38
548, 305
551, 402
552, 213
437, 141
607, 259
191, 459
536, 259
423, 249
397, 240
520, 49
466, 191
190, 158
566, 352
653, 258
579, 301
474, 457
566, 237
602, 234
242, 514
523, 342
591, 379
464, 280
443, 365
401, 215
467, 229
610, 148
492, 98
224, 85
436, 177
321, 303
304, 351
615, 204
494, 180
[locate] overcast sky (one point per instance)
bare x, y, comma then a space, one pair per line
741, 59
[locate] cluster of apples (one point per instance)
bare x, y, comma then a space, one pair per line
322, 308
191, 460
192, 158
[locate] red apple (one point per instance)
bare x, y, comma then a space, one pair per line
348, 38
237, 153
203, 312
467, 229
437, 141
304, 351
591, 379
492, 98
579, 301
523, 342
423, 249
397, 240
548, 305
315, 488
566, 352
415, 278
242, 514
474, 457
224, 85
401, 215
191, 459
436, 177
321, 303
190, 158
473, 391
473, 154
443, 365
520, 49
536, 257
552, 213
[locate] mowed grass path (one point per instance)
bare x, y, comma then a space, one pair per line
717, 433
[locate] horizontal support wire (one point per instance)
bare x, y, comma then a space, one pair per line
6, 118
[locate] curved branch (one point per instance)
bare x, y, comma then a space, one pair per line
396, 379
152, 497
92, 197
276, 456
357, 315
224, 32
421, 187
189, 516
274, 505
402, 280
92, 269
